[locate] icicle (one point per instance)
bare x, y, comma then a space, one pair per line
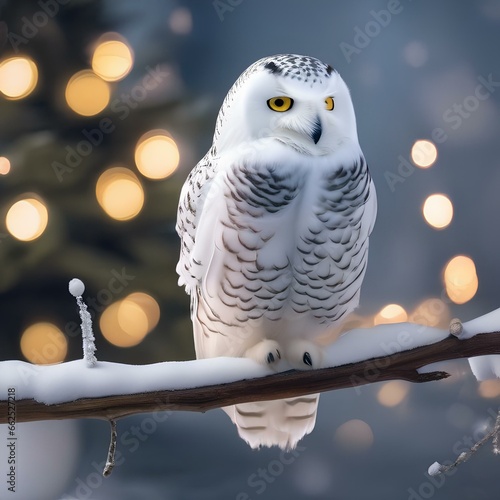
76, 288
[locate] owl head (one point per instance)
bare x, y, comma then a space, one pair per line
295, 100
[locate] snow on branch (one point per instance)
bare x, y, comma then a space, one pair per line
114, 390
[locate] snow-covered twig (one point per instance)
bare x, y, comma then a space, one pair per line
496, 436
76, 288
437, 468
110, 462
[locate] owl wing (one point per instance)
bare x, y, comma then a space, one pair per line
200, 206
192, 200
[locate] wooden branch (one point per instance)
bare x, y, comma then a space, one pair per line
401, 365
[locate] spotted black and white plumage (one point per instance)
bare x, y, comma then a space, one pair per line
274, 224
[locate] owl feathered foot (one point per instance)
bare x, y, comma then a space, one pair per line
266, 352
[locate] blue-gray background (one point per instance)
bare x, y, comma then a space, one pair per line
192, 456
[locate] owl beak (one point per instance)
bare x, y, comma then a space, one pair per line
316, 130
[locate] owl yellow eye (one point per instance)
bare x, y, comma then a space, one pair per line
280, 104
330, 103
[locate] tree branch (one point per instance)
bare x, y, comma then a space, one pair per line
403, 365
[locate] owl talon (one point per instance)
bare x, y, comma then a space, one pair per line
307, 359
271, 357
265, 352
304, 355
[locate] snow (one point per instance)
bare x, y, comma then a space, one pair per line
76, 287
54, 384
487, 323
434, 469
88, 338
73, 380
483, 367
381, 340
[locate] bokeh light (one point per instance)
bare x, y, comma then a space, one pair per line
112, 59
393, 393
416, 54
423, 153
354, 435
126, 322
120, 193
181, 21
27, 219
4, 165
391, 313
460, 279
156, 155
438, 211
87, 94
489, 389
18, 77
44, 343
149, 305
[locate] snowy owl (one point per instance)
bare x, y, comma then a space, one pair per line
274, 224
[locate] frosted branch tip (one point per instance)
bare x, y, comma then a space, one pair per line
76, 287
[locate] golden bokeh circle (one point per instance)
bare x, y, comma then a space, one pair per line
86, 93
27, 219
44, 343
460, 279
424, 153
438, 211
391, 313
18, 77
120, 193
156, 155
112, 59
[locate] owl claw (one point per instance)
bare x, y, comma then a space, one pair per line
271, 358
304, 355
266, 352
307, 359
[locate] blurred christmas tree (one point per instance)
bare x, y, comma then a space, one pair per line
96, 135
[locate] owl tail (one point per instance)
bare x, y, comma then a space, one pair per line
283, 422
